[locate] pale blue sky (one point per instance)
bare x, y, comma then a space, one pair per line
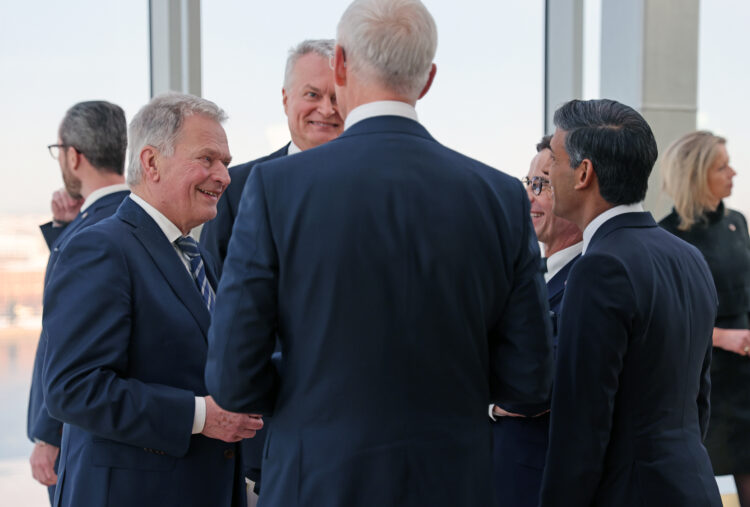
486, 101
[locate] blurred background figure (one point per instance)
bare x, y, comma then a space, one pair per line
697, 175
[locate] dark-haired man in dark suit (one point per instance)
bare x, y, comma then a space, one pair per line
631, 394
90, 148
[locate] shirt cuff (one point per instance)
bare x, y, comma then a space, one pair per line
492, 416
199, 420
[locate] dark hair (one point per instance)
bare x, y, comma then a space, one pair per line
618, 142
98, 130
544, 143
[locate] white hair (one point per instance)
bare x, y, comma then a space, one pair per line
158, 124
321, 47
390, 41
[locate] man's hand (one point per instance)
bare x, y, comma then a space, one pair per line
64, 207
733, 340
229, 426
499, 412
43, 463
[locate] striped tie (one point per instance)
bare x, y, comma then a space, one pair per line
190, 248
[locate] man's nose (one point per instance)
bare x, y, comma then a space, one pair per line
326, 107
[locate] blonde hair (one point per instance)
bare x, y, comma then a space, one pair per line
684, 169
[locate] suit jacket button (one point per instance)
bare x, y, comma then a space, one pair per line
229, 454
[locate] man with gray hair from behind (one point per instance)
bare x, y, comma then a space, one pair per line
127, 312
402, 280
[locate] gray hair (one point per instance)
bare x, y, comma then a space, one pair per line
321, 47
391, 41
158, 124
98, 130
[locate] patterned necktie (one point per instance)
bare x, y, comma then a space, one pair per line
190, 248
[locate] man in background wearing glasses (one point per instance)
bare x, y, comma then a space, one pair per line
90, 149
520, 443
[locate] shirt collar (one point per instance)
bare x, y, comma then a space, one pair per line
597, 222
560, 259
170, 230
101, 192
380, 108
293, 148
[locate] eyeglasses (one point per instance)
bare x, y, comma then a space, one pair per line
537, 183
54, 149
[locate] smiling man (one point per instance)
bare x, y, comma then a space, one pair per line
126, 314
520, 443
313, 118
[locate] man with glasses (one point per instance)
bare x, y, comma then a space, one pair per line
90, 149
520, 443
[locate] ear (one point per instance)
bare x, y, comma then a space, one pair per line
585, 176
427, 86
73, 157
284, 98
148, 157
339, 66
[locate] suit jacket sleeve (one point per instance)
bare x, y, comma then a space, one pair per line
521, 342
598, 308
242, 336
87, 320
51, 233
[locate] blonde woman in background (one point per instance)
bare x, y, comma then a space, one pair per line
697, 175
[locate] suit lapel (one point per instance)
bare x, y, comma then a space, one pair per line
557, 283
148, 233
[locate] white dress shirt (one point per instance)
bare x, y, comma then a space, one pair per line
293, 148
560, 259
597, 222
172, 233
380, 108
101, 192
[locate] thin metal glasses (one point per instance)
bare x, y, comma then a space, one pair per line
537, 183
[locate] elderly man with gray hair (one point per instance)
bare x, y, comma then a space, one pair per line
313, 118
312, 114
402, 280
126, 314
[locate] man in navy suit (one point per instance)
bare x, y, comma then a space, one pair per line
402, 279
126, 316
313, 118
520, 443
90, 148
631, 394
312, 115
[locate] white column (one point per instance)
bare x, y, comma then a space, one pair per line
649, 61
563, 61
175, 46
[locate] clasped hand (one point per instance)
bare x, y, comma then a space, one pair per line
229, 426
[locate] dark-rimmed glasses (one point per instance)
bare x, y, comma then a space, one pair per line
54, 149
537, 183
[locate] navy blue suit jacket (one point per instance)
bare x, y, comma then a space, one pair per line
126, 347
216, 233
39, 424
215, 239
631, 397
402, 280
520, 443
